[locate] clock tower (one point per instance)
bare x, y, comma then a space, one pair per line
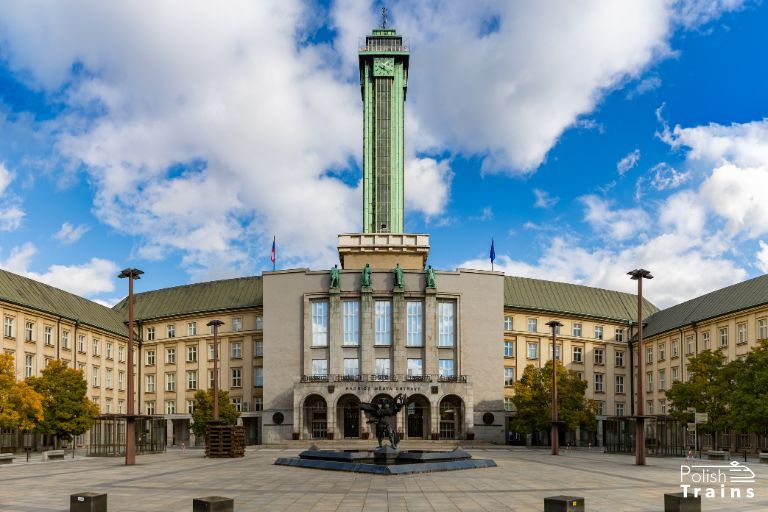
383, 85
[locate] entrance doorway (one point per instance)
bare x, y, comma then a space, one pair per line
316, 416
451, 417
418, 417
349, 412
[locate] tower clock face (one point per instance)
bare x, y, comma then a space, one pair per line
383, 66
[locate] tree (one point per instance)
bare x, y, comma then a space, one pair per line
533, 400
20, 405
749, 396
708, 390
67, 410
204, 411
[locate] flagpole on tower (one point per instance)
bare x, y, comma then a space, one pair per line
273, 256
493, 254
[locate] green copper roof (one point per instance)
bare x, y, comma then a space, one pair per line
244, 292
720, 302
35, 295
574, 299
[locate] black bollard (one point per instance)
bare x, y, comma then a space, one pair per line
213, 504
88, 502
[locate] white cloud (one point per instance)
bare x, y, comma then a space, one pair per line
620, 224
628, 162
740, 196
683, 213
696, 12
762, 257
543, 199
6, 177
69, 234
91, 278
744, 145
666, 177
10, 218
10, 214
428, 185
645, 85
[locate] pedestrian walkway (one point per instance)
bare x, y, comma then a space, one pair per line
168, 482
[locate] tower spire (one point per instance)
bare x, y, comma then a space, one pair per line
383, 17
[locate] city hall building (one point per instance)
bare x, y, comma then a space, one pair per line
300, 349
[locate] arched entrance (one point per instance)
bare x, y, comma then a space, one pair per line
348, 416
417, 412
316, 416
451, 417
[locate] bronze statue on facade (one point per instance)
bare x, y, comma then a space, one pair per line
335, 276
398, 276
366, 276
431, 281
379, 414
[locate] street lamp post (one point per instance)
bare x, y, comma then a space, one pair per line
639, 275
130, 420
215, 324
554, 436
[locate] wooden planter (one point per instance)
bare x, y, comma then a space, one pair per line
225, 441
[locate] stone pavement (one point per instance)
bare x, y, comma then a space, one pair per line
168, 482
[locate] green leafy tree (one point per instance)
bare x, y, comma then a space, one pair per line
708, 390
66, 408
749, 395
533, 400
20, 405
204, 411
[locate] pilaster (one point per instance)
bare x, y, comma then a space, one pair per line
366, 331
335, 332
398, 332
430, 332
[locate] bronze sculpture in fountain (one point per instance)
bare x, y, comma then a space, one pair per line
379, 414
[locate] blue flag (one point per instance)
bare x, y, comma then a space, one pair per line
493, 253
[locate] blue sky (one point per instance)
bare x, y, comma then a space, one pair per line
586, 139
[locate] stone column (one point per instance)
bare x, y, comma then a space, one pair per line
398, 332
366, 331
335, 333
430, 332
434, 421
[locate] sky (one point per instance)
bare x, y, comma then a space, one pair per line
585, 138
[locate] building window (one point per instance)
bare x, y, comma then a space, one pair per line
507, 323
577, 329
48, 335
649, 407
320, 367
598, 332
383, 368
150, 407
238, 403
190, 407
191, 328
619, 383
258, 404
446, 324
383, 322
258, 376
415, 337
171, 330
662, 407
29, 365
599, 356
662, 351
509, 377
108, 349
675, 349
649, 355
81, 344
192, 379
578, 354
689, 345
580, 375
705, 340
170, 355
191, 353
557, 352
108, 378
509, 404
150, 358
620, 358
211, 380
8, 327
351, 367
108, 406
675, 373
120, 406
237, 377
446, 368
649, 381
619, 408
121, 380
170, 407
170, 382
150, 334
351, 322
150, 381
532, 325
662, 380
599, 407
509, 348
723, 336
533, 349
619, 334
29, 331
415, 367
741, 333
95, 376
259, 323
236, 350
319, 323
65, 340
96, 346
258, 348
762, 329
599, 383
210, 351
237, 324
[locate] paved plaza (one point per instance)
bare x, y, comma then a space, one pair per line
168, 482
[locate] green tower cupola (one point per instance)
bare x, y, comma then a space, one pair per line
383, 85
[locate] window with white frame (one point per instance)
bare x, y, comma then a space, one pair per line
509, 348
649, 355
237, 324
557, 352
578, 354
150, 334
662, 407
29, 331
533, 350
81, 344
383, 322
192, 379
577, 329
351, 311
108, 378
599, 355
599, 407
415, 334
237, 377
211, 380
741, 332
150, 383
532, 324
108, 406
320, 367
509, 404
508, 323
762, 329
446, 368
619, 408
170, 407
258, 376
351, 367
48, 335
236, 350
723, 336
121, 407
599, 383
675, 373
619, 334
191, 328
509, 376
649, 407
649, 381
108, 350
619, 357
446, 324
210, 351
95, 376
8, 327
150, 405
258, 403
259, 323
383, 368
319, 323
662, 380
415, 367
191, 353
65, 340
676, 348
171, 330
662, 351
190, 407
29, 365
689, 345
598, 332
121, 380
96, 347
170, 382
170, 355
238, 403
258, 348
619, 383
150, 357
705, 340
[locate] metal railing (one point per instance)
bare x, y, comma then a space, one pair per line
460, 379
384, 44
